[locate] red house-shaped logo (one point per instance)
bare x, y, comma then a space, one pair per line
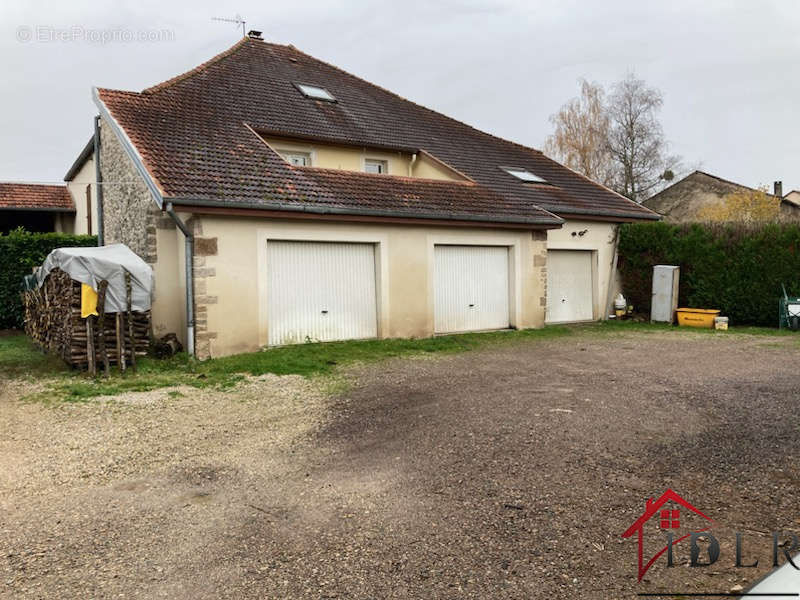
669, 519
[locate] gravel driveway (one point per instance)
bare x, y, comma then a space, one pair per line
509, 472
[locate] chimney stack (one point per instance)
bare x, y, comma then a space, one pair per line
255, 35
778, 189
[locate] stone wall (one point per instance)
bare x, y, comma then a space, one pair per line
130, 214
540, 264
205, 249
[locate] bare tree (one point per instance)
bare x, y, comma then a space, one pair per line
580, 138
636, 140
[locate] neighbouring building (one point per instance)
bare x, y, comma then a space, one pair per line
793, 197
36, 207
67, 208
301, 203
683, 201
80, 180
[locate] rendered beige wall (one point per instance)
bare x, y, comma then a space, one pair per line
235, 293
169, 301
77, 189
329, 156
599, 238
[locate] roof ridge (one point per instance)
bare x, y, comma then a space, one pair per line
196, 70
36, 183
718, 178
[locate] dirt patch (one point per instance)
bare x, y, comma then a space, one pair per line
509, 472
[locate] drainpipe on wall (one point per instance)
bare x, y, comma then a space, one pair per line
189, 264
99, 179
411, 164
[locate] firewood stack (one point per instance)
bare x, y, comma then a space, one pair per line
53, 321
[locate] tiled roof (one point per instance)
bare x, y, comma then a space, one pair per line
34, 196
196, 136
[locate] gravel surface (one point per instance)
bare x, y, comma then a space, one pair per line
509, 472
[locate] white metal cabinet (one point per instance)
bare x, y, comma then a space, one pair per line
320, 291
471, 288
569, 286
664, 301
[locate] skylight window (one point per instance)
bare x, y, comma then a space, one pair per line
315, 92
523, 175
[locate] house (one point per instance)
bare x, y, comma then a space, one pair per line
67, 208
793, 197
36, 207
280, 199
683, 201
81, 184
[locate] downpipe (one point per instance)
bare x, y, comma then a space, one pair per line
189, 264
98, 177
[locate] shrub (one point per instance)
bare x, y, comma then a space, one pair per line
20, 251
736, 268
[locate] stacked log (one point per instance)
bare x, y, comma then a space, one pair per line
53, 321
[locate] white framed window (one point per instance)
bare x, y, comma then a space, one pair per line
297, 159
523, 175
315, 92
375, 166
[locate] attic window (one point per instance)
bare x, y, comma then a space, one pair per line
315, 92
523, 175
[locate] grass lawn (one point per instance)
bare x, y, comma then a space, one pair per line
20, 359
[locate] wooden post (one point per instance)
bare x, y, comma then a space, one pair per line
120, 344
101, 321
130, 320
90, 346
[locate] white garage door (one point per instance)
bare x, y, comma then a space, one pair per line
470, 288
320, 291
569, 286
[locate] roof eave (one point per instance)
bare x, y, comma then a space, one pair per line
60, 209
544, 222
606, 215
87, 151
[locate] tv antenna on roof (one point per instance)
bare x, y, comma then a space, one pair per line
238, 19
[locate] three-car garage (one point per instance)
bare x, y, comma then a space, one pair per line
330, 290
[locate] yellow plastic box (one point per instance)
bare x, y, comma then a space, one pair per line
697, 317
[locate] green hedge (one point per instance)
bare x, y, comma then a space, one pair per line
20, 251
738, 269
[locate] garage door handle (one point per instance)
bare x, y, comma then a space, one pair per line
471, 305
324, 312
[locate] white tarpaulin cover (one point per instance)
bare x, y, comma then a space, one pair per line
93, 265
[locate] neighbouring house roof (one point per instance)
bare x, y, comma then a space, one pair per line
86, 154
199, 137
35, 196
793, 197
682, 201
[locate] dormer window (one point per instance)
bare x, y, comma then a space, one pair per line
376, 167
523, 175
296, 159
315, 92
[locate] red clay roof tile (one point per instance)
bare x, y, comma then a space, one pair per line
34, 196
196, 135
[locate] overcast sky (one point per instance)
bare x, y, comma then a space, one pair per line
729, 70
